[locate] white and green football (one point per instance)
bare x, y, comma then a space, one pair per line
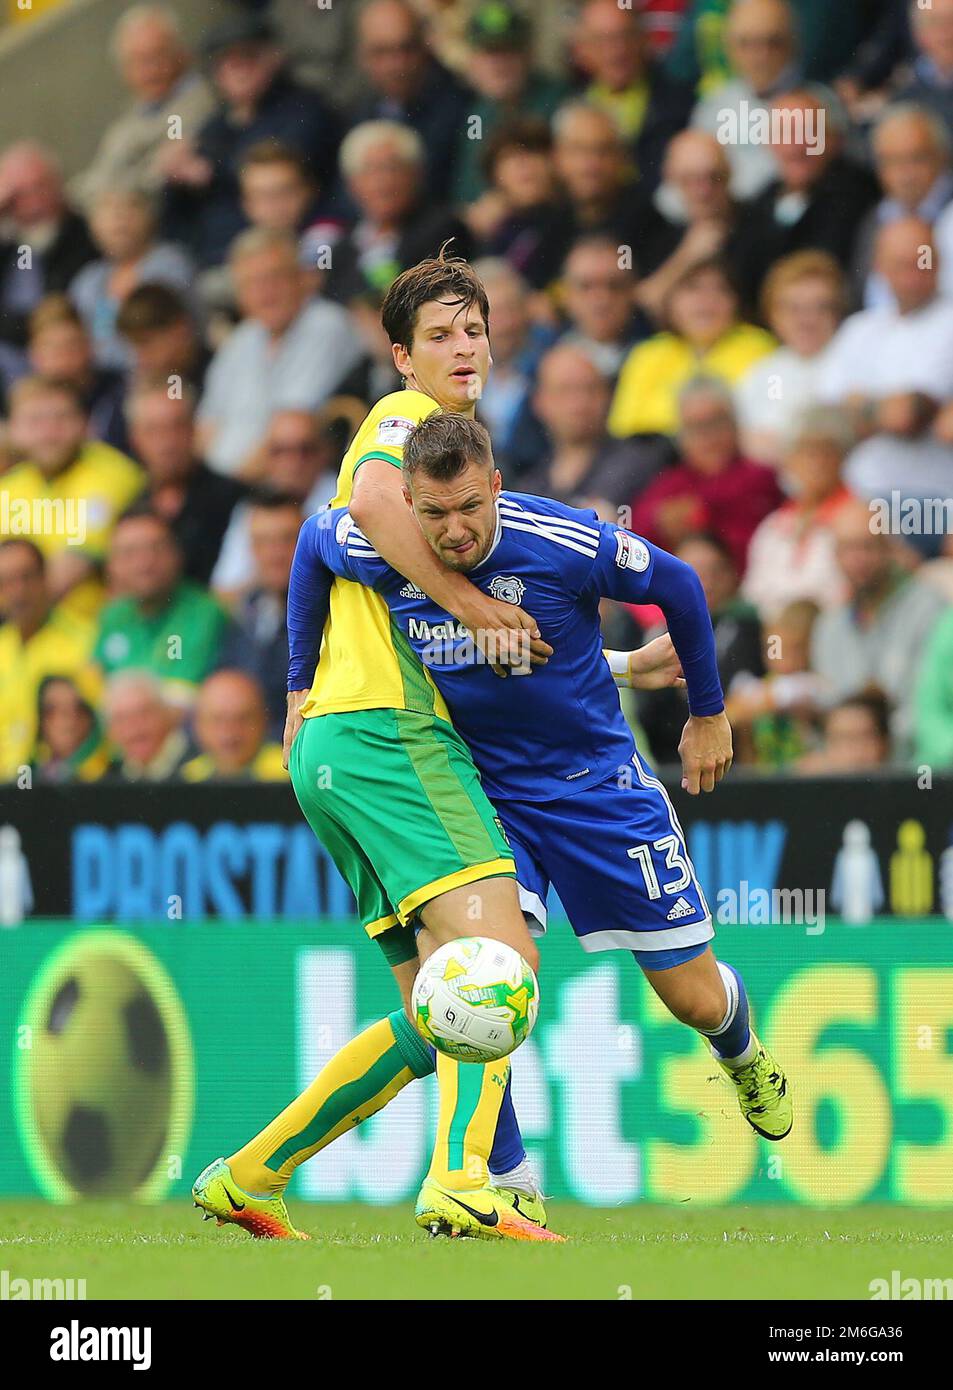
475, 999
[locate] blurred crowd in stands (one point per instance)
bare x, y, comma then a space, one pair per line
735, 338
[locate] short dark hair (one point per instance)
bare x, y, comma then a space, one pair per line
873, 702
439, 278
714, 542
444, 445
39, 559
528, 134
143, 510
266, 501
148, 308
272, 151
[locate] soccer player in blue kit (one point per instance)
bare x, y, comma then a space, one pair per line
581, 809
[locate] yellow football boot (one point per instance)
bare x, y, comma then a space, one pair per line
266, 1218
487, 1213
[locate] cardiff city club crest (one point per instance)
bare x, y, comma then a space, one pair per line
507, 588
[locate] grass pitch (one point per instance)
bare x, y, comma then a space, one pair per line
360, 1252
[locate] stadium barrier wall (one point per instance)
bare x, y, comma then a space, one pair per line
185, 853
201, 964
133, 1058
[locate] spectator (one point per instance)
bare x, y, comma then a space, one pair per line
856, 737
879, 635
931, 82
196, 502
898, 388
405, 82
156, 68
859, 40
911, 149
817, 202
647, 106
280, 195
258, 101
500, 69
158, 622
704, 336
578, 462
792, 551
803, 301
383, 164
259, 640
662, 713
162, 337
34, 214
297, 465
38, 638
83, 484
287, 352
596, 173
518, 345
61, 350
713, 488
124, 228
690, 217
761, 47
230, 730
322, 43
144, 727
69, 742
772, 716
598, 302
520, 217
934, 697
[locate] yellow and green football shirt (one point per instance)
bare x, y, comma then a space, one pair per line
366, 661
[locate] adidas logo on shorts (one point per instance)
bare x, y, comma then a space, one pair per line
682, 908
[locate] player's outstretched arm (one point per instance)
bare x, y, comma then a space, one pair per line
501, 630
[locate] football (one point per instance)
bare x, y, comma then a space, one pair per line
475, 999
102, 1080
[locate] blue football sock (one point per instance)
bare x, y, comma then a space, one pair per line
508, 1151
731, 1040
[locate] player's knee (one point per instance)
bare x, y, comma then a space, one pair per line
697, 1010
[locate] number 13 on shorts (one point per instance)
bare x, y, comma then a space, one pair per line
674, 852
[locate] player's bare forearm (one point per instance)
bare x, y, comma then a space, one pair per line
706, 752
653, 667
378, 507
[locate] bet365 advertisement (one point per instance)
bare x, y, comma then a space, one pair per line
134, 1056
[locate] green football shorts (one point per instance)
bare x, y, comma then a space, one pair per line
396, 801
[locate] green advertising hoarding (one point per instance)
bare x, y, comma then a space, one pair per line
133, 1058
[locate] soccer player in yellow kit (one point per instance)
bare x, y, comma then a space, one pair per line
390, 789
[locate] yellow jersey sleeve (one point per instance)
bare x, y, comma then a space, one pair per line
366, 662
382, 435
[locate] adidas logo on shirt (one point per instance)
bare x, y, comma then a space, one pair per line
411, 591
682, 908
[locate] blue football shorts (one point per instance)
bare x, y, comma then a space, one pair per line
615, 855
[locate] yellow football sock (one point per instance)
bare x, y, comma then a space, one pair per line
470, 1099
357, 1082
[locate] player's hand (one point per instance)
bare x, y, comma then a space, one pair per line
656, 666
293, 722
508, 637
705, 751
